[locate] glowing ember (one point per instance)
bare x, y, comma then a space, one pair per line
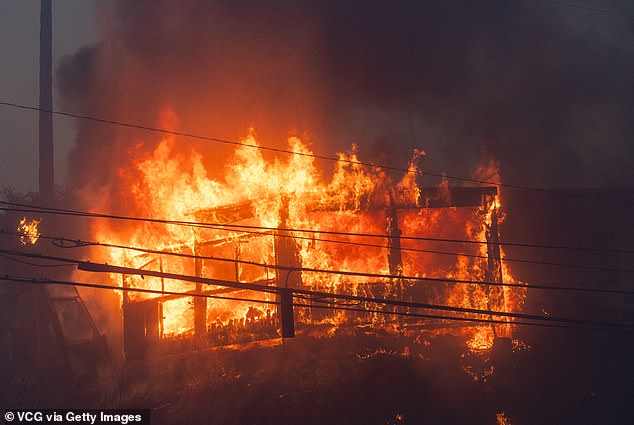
29, 230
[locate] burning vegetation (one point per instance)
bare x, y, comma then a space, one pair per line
29, 230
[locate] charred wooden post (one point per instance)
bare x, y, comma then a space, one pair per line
394, 256
493, 272
287, 253
494, 261
46, 169
160, 304
200, 303
237, 262
286, 314
286, 256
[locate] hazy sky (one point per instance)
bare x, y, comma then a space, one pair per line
74, 25
545, 89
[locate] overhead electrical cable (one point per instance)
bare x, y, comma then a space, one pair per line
8, 257
63, 242
438, 174
587, 325
230, 227
81, 244
36, 281
466, 319
106, 268
128, 289
27, 208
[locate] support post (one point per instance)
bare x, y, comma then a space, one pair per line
237, 264
494, 261
287, 255
394, 255
286, 314
200, 303
46, 178
493, 271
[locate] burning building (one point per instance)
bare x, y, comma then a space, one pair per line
277, 245
394, 285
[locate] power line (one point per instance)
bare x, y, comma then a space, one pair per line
232, 227
465, 319
80, 244
270, 149
129, 289
200, 137
60, 242
301, 269
33, 264
202, 295
321, 295
105, 268
588, 8
36, 281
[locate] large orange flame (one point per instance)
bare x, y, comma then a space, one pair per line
292, 193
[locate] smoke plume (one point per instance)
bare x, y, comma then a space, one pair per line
544, 90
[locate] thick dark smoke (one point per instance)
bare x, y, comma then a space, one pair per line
545, 90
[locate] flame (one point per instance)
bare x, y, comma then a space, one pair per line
487, 297
502, 419
29, 230
482, 339
292, 193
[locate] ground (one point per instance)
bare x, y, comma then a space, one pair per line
566, 377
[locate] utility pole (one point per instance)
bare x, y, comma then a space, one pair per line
46, 179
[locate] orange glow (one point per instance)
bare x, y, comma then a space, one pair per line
502, 419
29, 230
291, 192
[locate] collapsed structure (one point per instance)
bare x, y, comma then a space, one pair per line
146, 320
271, 248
